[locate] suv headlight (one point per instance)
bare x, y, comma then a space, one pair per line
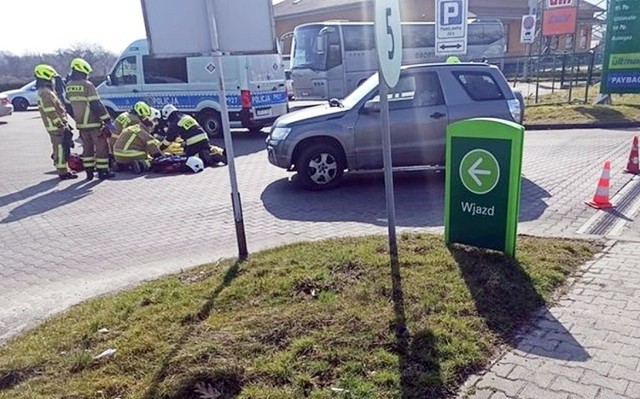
516, 110
280, 133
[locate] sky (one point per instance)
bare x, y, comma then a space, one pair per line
114, 24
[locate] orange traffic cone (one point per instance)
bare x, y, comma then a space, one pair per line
633, 166
601, 198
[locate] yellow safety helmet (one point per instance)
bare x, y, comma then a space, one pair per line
44, 71
142, 109
80, 65
453, 60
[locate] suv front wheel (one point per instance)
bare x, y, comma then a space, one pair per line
320, 167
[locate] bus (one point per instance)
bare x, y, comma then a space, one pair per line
330, 59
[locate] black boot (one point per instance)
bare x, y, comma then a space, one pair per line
105, 174
137, 167
68, 176
90, 172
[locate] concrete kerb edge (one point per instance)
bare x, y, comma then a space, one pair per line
568, 126
504, 349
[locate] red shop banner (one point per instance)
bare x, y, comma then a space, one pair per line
560, 21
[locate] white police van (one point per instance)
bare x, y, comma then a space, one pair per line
256, 91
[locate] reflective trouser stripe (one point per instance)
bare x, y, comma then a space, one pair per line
89, 162
196, 139
60, 161
102, 163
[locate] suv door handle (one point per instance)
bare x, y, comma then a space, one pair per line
437, 115
134, 91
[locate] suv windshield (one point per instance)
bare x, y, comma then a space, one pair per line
305, 54
361, 92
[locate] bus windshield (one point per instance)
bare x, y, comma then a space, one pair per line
304, 53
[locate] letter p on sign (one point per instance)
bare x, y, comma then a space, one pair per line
451, 13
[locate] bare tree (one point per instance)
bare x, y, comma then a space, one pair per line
18, 70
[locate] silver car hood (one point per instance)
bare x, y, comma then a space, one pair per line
311, 114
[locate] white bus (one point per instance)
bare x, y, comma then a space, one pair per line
330, 59
256, 92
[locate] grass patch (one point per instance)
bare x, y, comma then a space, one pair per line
313, 320
556, 109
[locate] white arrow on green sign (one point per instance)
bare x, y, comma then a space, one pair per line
479, 171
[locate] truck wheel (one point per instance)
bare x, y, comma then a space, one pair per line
211, 122
320, 167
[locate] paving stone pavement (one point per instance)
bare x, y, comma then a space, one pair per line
62, 243
588, 346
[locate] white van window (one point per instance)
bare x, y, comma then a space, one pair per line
125, 72
164, 70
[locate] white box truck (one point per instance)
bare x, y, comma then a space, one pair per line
255, 85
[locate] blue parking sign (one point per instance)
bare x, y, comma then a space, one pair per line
451, 12
451, 27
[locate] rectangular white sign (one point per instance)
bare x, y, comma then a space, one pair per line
528, 29
560, 3
451, 27
188, 27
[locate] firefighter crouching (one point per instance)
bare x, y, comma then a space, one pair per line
196, 141
135, 145
140, 111
54, 117
90, 115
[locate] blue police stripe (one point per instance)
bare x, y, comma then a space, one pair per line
259, 99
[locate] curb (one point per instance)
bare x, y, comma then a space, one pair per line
604, 125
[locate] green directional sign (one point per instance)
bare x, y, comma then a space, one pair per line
482, 197
621, 65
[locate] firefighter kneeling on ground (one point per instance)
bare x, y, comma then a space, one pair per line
196, 141
135, 146
140, 111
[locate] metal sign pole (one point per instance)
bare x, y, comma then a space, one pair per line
228, 141
226, 132
388, 170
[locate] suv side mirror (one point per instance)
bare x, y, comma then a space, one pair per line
371, 107
108, 80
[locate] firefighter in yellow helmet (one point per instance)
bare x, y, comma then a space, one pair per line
54, 116
140, 112
453, 60
90, 116
135, 145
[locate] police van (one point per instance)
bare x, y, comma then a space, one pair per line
255, 84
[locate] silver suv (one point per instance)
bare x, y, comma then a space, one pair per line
321, 142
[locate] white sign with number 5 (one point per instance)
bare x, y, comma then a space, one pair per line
389, 40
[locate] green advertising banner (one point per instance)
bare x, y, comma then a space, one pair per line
482, 194
621, 65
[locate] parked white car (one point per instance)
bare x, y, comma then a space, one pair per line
24, 97
5, 106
